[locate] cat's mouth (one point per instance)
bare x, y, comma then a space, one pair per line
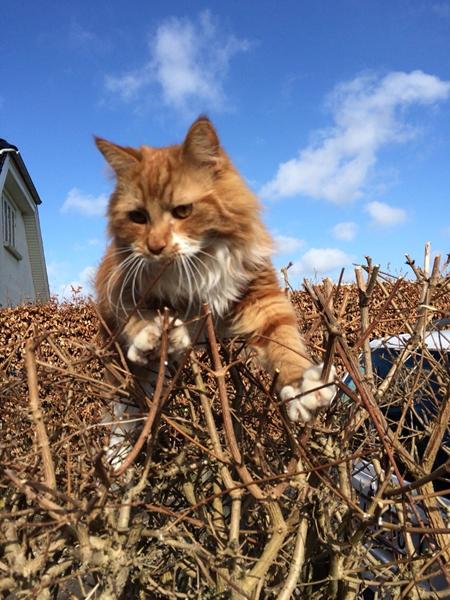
159, 258
179, 249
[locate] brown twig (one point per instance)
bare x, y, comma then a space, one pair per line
36, 413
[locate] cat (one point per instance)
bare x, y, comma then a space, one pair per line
185, 212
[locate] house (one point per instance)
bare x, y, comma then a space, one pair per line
23, 274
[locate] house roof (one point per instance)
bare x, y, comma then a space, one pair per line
7, 149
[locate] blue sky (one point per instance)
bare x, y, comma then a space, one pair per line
337, 113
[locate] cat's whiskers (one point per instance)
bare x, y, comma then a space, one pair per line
208, 254
199, 273
141, 274
204, 271
188, 272
115, 274
114, 280
136, 268
125, 280
134, 284
181, 274
118, 251
206, 267
199, 279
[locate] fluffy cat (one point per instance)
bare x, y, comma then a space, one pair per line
186, 207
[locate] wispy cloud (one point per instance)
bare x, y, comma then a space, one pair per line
90, 246
442, 9
321, 261
129, 85
368, 114
188, 63
64, 286
83, 284
384, 215
285, 244
85, 204
345, 231
86, 40
81, 36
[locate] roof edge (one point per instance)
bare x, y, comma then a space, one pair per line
14, 153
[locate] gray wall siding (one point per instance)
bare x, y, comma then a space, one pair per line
35, 254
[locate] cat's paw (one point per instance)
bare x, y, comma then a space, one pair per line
146, 341
179, 338
304, 407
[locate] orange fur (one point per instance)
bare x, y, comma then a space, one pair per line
186, 207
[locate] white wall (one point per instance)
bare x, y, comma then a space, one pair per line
16, 280
15, 275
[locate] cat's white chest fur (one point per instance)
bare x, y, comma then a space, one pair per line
217, 277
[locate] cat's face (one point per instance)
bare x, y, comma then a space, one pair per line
169, 201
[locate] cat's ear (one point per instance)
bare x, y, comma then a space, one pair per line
120, 158
202, 144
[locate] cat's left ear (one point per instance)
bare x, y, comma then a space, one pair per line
121, 158
202, 144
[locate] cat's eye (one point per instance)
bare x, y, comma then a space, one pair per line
182, 211
138, 216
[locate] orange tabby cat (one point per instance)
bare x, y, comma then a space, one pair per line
187, 208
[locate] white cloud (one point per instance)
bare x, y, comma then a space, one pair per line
128, 86
384, 215
54, 271
82, 284
85, 204
286, 245
345, 231
442, 9
82, 39
63, 286
88, 246
188, 63
80, 36
320, 261
367, 115
85, 280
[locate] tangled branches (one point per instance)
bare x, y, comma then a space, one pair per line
221, 496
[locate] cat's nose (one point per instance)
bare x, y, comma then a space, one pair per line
156, 248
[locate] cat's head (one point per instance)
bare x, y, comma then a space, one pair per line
180, 199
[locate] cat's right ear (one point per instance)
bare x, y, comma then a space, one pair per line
202, 145
120, 158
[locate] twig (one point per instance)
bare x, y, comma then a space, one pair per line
36, 413
298, 558
155, 405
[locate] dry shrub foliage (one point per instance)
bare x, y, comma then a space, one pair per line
226, 498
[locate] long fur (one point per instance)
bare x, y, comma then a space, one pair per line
184, 212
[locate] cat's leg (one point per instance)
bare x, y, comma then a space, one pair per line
141, 339
268, 319
123, 418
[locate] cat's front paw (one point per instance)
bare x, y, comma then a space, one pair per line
148, 340
179, 338
310, 399
145, 342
